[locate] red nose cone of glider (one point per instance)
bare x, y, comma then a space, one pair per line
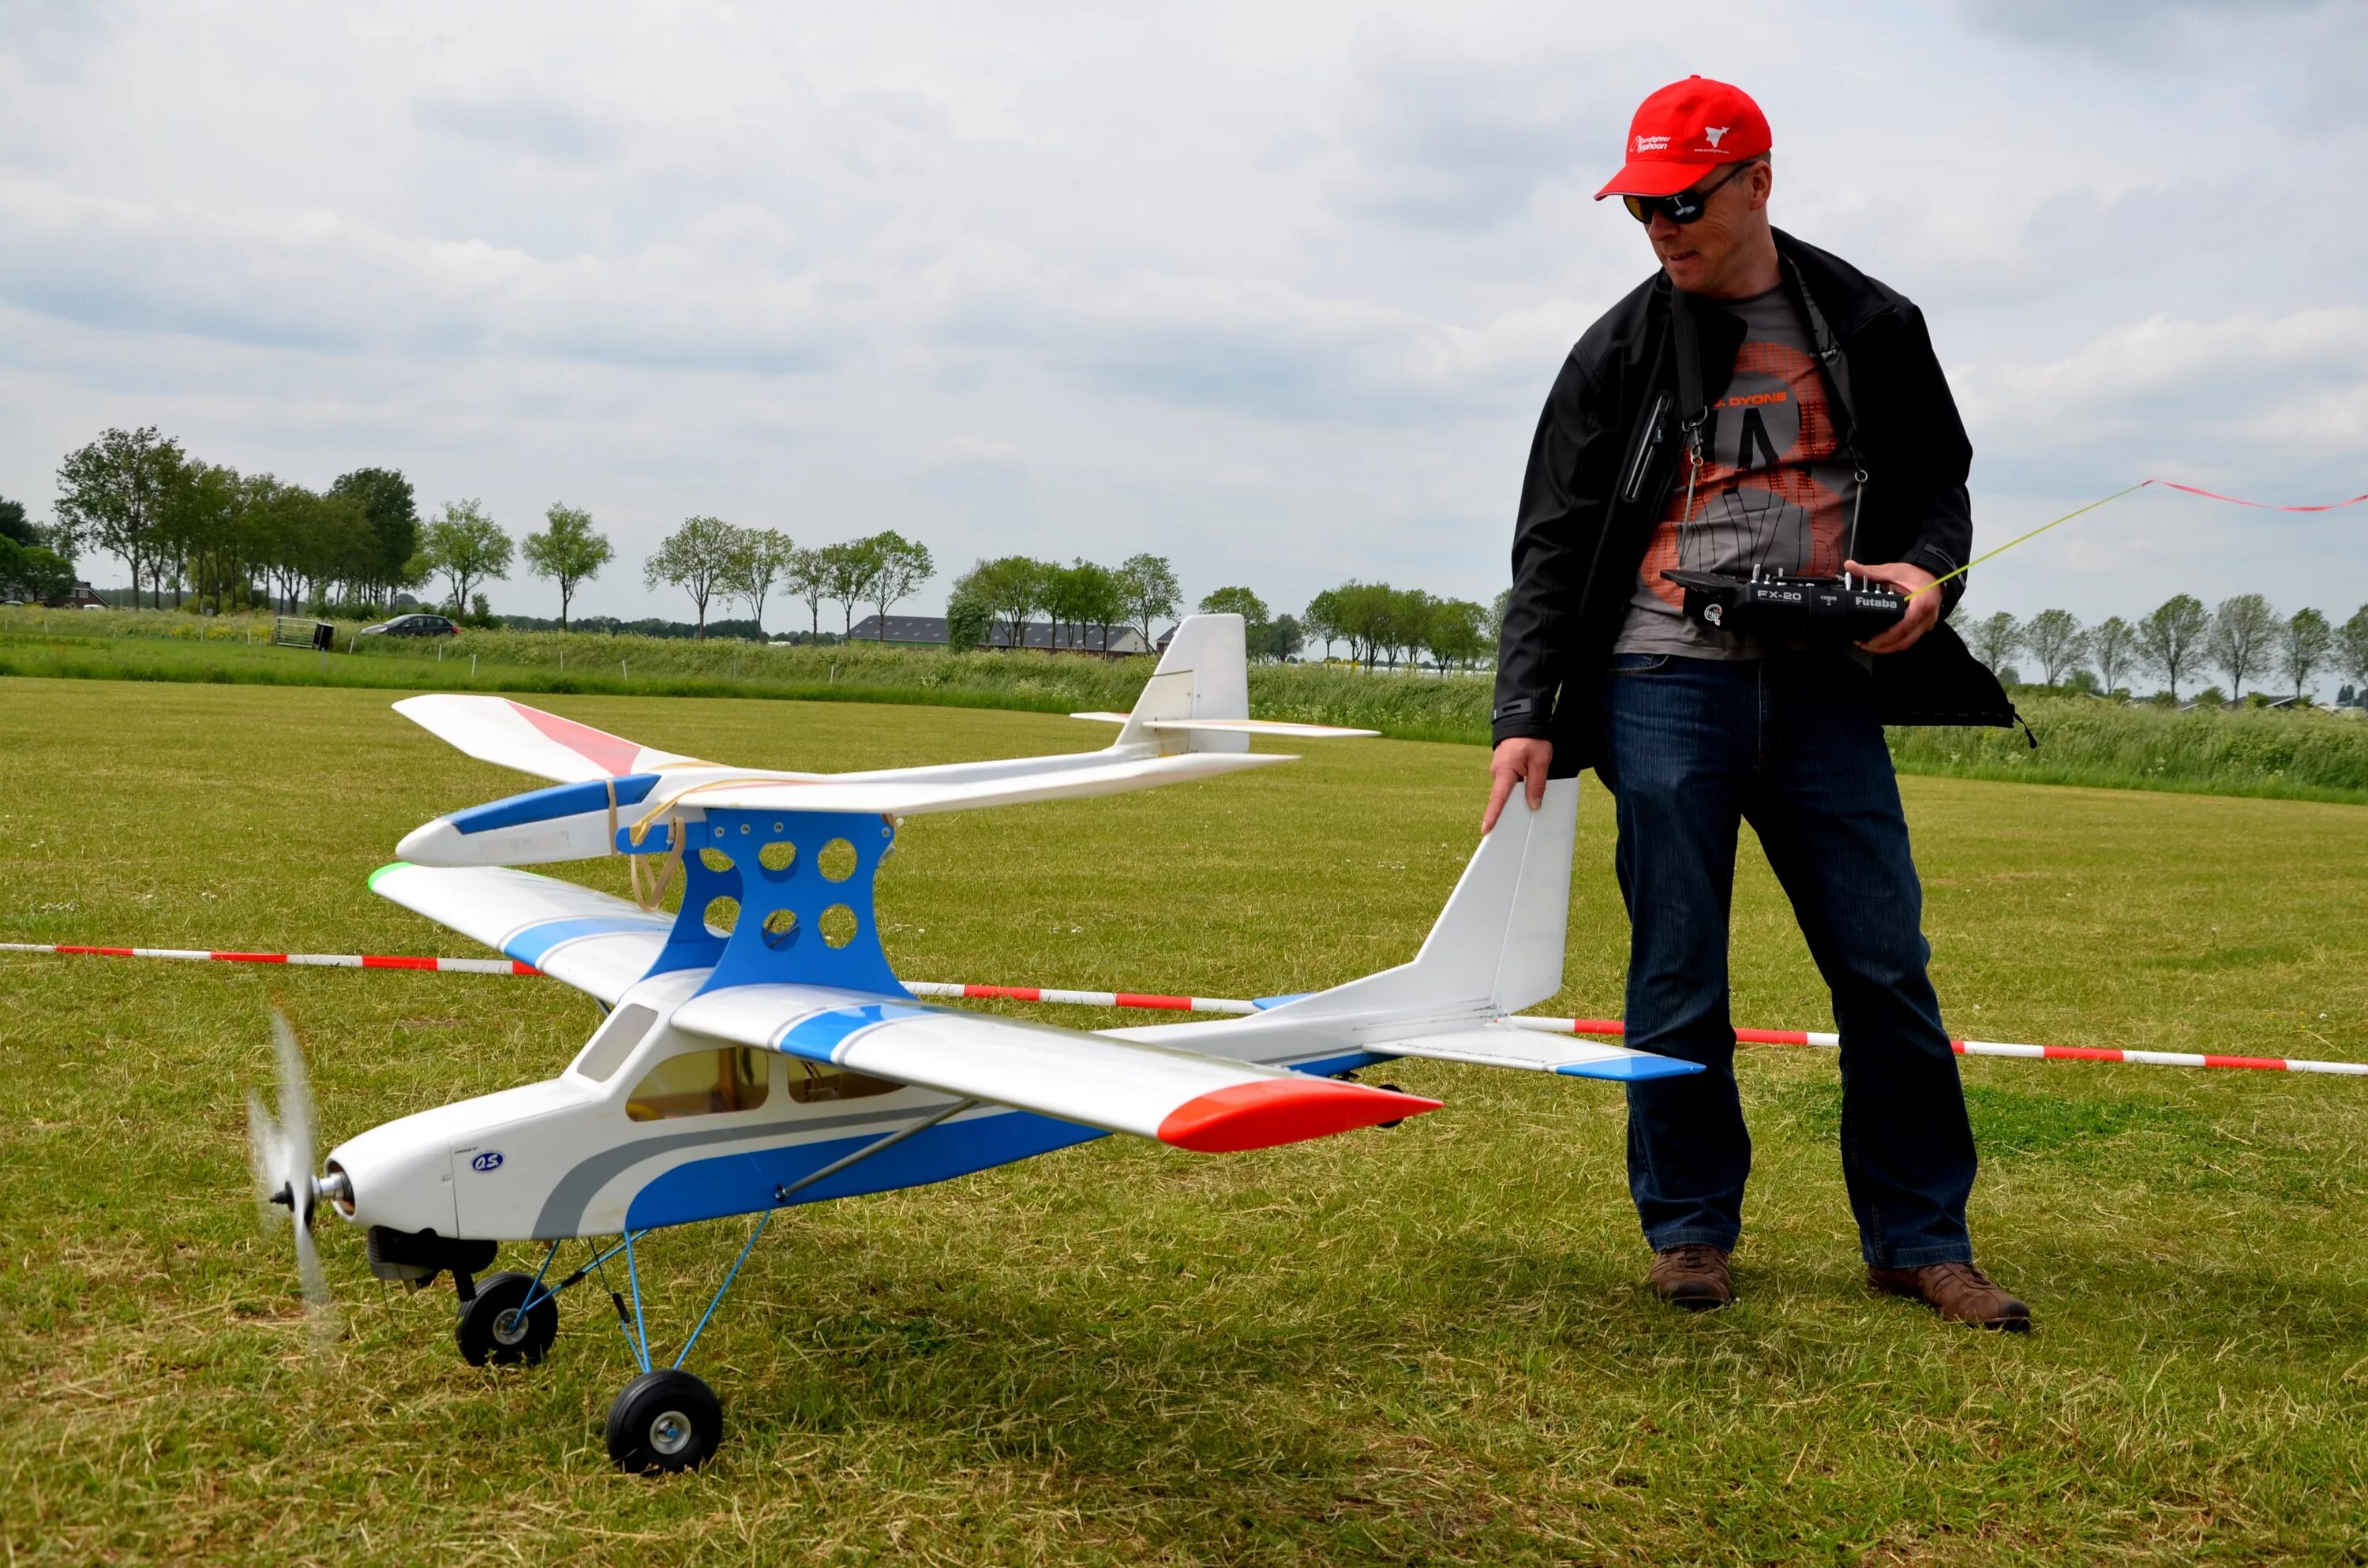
1282, 1110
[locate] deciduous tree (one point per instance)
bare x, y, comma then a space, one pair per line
695, 558
1455, 632
2055, 640
15, 525
2243, 630
111, 494
807, 577
849, 569
1148, 588
2303, 644
898, 565
1011, 589
467, 549
2351, 646
2170, 640
1283, 639
760, 558
2113, 643
1241, 602
568, 550
1995, 641
1322, 619
390, 530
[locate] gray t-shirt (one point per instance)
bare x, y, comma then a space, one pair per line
1773, 491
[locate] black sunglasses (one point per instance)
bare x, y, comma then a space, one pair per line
1683, 208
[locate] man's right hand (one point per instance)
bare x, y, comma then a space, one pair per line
1522, 759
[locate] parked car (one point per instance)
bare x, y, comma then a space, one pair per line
413, 626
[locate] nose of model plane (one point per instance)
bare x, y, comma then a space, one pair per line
437, 843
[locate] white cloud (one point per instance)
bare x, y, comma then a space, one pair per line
1276, 290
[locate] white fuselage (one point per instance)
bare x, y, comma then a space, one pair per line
653, 1125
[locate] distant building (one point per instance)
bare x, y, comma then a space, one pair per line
929, 632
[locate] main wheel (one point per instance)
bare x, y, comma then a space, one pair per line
492, 1329
665, 1420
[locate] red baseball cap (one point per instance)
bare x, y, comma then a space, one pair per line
1682, 132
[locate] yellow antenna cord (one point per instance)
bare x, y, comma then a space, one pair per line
2034, 533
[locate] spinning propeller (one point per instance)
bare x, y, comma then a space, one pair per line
280, 1154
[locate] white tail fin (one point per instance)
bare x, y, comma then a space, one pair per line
1203, 675
1497, 946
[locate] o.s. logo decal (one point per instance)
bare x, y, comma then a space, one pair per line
491, 1160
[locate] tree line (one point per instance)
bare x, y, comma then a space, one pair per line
230, 540
2245, 638
992, 603
1381, 624
193, 527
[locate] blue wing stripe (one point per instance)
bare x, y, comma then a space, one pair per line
819, 1037
531, 945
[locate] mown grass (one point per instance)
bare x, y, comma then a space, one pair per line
2306, 755
1427, 1345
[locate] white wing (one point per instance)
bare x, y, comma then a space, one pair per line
511, 734
1204, 1103
594, 941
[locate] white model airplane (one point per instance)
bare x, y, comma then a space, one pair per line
758, 1051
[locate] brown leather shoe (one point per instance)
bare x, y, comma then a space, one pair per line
1958, 1291
1693, 1276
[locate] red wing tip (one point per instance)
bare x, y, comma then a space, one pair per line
1269, 1112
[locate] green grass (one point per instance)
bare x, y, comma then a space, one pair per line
2306, 756
1427, 1345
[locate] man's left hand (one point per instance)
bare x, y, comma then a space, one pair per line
1923, 611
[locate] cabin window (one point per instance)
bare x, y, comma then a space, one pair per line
815, 1081
702, 1082
614, 1041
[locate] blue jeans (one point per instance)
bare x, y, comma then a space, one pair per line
1692, 748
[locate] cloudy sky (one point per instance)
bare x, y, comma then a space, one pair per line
1273, 290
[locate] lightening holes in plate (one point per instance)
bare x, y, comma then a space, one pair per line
781, 930
836, 862
777, 857
838, 923
721, 915
715, 860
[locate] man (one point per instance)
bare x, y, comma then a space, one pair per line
1821, 439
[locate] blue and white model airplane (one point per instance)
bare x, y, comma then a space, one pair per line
759, 1052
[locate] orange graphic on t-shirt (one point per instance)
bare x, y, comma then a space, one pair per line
1741, 490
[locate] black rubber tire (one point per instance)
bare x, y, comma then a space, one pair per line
492, 1333
665, 1421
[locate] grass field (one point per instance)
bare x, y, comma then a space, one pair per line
1428, 1344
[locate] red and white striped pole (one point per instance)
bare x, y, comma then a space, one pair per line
1156, 1001
1613, 1027
312, 960
1081, 998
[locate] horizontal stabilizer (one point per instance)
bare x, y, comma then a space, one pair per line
1235, 726
1256, 727
511, 734
596, 942
1496, 1045
1205, 1103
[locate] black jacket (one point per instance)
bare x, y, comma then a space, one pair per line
1605, 457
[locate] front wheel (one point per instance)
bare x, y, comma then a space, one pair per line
493, 1332
665, 1421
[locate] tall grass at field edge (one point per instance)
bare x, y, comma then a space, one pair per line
2294, 755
